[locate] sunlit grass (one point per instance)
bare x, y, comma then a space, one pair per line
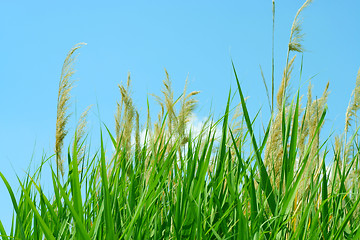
179, 184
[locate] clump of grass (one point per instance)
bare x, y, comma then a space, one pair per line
179, 185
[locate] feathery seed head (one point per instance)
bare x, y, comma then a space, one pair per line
296, 36
354, 104
65, 86
80, 133
281, 95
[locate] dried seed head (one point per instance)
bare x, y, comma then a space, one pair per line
65, 86
354, 104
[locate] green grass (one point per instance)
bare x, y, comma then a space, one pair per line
177, 184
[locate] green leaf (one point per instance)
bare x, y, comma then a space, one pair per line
108, 219
265, 183
16, 207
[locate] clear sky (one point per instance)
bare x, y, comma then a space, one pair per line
197, 39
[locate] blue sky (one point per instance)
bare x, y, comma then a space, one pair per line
197, 39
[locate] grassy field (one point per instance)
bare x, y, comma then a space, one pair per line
178, 184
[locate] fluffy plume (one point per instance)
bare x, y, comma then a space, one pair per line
188, 105
274, 149
311, 119
137, 133
281, 95
169, 103
80, 133
296, 36
354, 104
122, 111
65, 86
176, 121
237, 125
304, 127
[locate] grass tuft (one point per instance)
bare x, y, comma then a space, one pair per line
176, 183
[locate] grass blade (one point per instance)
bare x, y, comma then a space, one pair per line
265, 183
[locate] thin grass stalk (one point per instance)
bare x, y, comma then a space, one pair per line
273, 57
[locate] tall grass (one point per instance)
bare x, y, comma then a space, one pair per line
183, 185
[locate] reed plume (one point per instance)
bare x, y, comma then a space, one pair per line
124, 109
159, 128
172, 130
317, 109
62, 117
304, 126
281, 96
274, 150
314, 110
137, 133
296, 36
169, 103
274, 145
188, 104
351, 112
128, 119
354, 104
237, 126
294, 45
80, 134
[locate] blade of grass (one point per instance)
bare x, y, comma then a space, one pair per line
16, 207
325, 205
79, 223
265, 183
3, 232
43, 225
105, 187
75, 182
